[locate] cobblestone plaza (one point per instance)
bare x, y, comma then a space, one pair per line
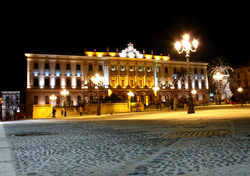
119, 146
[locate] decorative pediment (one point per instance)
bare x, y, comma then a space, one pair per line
130, 52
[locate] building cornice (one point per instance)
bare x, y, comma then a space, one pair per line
31, 56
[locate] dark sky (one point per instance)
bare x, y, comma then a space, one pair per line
69, 28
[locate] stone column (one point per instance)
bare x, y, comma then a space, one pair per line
118, 73
136, 72
85, 71
28, 74
41, 73
52, 68
127, 64
162, 74
73, 74
106, 73
145, 74
155, 74
63, 74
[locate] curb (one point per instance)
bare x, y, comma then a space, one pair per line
7, 167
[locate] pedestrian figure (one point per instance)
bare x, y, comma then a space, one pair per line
171, 103
160, 105
54, 113
62, 112
176, 103
81, 110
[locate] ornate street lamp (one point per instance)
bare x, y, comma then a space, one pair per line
240, 90
156, 89
193, 92
97, 80
218, 77
64, 93
130, 94
53, 98
187, 47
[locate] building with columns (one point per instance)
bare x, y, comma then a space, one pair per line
128, 70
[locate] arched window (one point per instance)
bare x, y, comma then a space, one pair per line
150, 98
124, 98
58, 100
142, 98
167, 98
91, 98
160, 98
35, 100
47, 100
78, 99
68, 98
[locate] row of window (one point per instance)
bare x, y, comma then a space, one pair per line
58, 82
113, 68
78, 67
68, 66
238, 75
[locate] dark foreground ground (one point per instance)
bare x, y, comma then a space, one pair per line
148, 143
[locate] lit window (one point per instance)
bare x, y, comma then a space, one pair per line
122, 68
149, 69
140, 68
131, 68
158, 70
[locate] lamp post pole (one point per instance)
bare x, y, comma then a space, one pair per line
218, 76
97, 80
130, 94
156, 89
187, 47
240, 90
64, 93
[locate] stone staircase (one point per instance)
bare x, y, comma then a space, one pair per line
70, 111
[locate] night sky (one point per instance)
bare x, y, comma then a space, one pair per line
69, 28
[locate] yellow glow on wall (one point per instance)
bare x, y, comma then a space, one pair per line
109, 92
112, 54
157, 57
100, 54
148, 56
146, 100
89, 53
166, 58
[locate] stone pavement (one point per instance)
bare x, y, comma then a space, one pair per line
124, 144
6, 162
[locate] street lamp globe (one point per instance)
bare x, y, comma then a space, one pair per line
64, 93
156, 88
240, 89
193, 92
218, 76
131, 94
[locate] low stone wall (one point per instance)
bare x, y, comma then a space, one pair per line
42, 111
108, 108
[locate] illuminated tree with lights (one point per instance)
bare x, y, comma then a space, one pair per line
221, 65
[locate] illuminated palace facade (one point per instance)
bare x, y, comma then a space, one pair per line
122, 72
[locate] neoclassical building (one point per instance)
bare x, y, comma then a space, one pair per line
11, 103
128, 70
